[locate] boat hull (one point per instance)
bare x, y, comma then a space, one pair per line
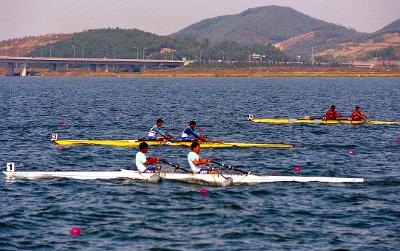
134, 143
321, 121
210, 179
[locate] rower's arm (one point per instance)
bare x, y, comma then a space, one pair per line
151, 160
190, 131
195, 134
161, 132
201, 161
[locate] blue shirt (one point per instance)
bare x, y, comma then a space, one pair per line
190, 133
154, 131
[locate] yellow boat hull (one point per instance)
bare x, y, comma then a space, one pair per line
134, 143
321, 121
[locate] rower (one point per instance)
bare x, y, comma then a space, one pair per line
331, 114
156, 133
142, 161
357, 115
190, 134
195, 161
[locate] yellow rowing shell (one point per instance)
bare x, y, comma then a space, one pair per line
321, 121
133, 143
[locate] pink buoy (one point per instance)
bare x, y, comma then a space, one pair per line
61, 122
351, 152
297, 169
60, 147
203, 191
75, 231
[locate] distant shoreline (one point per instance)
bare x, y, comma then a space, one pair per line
257, 72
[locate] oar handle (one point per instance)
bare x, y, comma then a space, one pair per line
220, 164
229, 167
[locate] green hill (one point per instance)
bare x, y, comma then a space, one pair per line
133, 43
391, 28
270, 24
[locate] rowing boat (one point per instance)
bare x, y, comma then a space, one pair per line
319, 121
135, 142
209, 179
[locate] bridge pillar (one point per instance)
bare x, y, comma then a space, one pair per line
142, 68
106, 67
92, 67
53, 67
23, 72
10, 69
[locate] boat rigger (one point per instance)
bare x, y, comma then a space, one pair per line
209, 179
308, 120
135, 142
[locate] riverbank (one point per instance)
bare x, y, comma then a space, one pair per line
225, 72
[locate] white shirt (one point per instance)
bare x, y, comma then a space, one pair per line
193, 156
140, 160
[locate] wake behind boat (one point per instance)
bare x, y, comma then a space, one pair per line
208, 179
136, 142
310, 120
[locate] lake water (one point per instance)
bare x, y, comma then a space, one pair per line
123, 215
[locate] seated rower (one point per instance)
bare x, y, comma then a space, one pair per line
156, 133
190, 134
142, 161
195, 161
331, 114
357, 115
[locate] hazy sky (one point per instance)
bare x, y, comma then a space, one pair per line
20, 18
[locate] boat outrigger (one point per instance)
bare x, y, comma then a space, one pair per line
311, 120
219, 179
136, 142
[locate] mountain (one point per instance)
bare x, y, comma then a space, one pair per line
23, 46
272, 24
382, 44
134, 43
391, 28
273, 32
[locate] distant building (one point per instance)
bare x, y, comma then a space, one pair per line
167, 50
255, 57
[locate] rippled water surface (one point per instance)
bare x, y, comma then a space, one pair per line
125, 215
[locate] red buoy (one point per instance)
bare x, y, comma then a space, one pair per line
75, 231
351, 152
297, 169
203, 191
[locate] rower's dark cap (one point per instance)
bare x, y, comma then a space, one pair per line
194, 145
160, 121
192, 123
357, 107
143, 145
333, 106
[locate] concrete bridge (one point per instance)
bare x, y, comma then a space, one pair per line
93, 63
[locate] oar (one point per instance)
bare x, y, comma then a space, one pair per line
230, 167
174, 165
316, 117
228, 180
203, 135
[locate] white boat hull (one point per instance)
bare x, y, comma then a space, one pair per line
211, 179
